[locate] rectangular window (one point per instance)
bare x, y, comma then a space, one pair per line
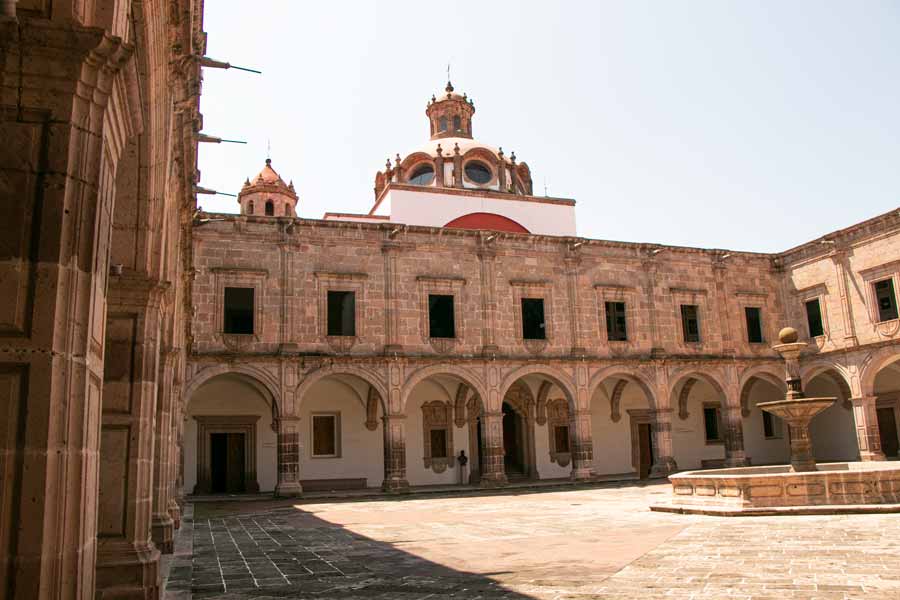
533, 325
754, 324
438, 443
325, 435
712, 420
239, 310
771, 425
615, 322
886, 299
440, 316
814, 318
561, 438
342, 313
690, 322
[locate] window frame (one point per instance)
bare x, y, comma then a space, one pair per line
777, 426
252, 291
336, 415
684, 324
352, 282
242, 278
431, 319
720, 430
542, 327
491, 171
806, 303
893, 296
345, 294
442, 286
609, 331
762, 329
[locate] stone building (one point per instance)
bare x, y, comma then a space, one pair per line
99, 118
462, 314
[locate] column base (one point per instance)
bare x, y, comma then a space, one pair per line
581, 474
163, 533
127, 571
493, 480
175, 513
395, 486
663, 467
288, 490
737, 461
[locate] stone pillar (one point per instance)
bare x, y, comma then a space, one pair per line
582, 446
163, 525
288, 458
394, 454
663, 455
389, 250
127, 559
735, 456
573, 261
868, 435
839, 258
493, 471
487, 254
57, 166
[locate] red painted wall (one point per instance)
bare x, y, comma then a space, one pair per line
490, 221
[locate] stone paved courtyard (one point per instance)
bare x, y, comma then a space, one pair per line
560, 544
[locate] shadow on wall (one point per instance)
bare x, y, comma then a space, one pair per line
289, 552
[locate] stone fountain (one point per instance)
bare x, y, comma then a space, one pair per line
803, 487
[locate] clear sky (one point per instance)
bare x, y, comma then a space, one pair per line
743, 125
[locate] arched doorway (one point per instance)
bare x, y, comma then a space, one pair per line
766, 440
622, 421
886, 389
832, 431
515, 446
230, 439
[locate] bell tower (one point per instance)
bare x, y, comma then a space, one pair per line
268, 195
450, 115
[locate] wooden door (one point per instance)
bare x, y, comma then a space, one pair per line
235, 463
887, 427
645, 446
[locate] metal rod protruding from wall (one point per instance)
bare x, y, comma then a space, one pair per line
202, 137
206, 61
203, 190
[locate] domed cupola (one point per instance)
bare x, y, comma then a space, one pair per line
450, 114
267, 195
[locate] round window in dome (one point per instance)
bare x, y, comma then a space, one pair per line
422, 175
478, 172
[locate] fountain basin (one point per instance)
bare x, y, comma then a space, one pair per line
850, 487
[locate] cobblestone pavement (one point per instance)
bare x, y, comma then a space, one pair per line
562, 545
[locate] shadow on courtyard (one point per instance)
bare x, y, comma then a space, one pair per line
287, 552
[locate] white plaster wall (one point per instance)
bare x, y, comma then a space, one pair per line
764, 451
416, 473
436, 210
832, 431
612, 441
546, 468
231, 395
362, 451
689, 435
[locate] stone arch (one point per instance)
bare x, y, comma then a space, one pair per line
336, 370
715, 380
750, 380
264, 381
833, 371
629, 374
464, 375
557, 376
873, 364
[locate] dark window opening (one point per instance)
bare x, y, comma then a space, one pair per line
533, 325
457, 123
754, 324
341, 313
438, 443
690, 322
886, 299
771, 425
711, 422
441, 316
615, 322
423, 175
478, 172
814, 318
287, 209
250, 207
325, 435
561, 438
239, 310
270, 208
442, 124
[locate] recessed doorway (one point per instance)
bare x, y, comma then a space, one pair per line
887, 427
227, 462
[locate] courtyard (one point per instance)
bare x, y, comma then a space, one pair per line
554, 544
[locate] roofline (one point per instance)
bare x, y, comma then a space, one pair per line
453, 191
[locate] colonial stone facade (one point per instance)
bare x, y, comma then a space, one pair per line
99, 116
648, 358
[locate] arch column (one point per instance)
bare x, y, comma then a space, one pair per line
868, 436
394, 454
493, 473
288, 485
163, 525
735, 455
582, 446
663, 455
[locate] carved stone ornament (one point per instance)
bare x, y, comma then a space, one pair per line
436, 417
558, 416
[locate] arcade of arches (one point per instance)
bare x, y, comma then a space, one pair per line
335, 430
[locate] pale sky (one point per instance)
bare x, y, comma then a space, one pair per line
742, 125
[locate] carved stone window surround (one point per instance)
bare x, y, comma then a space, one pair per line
447, 286
610, 292
533, 288
210, 424
814, 292
698, 298
871, 276
341, 282
752, 299
558, 416
437, 415
239, 277
637, 417
337, 435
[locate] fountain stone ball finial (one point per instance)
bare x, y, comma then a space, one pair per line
788, 335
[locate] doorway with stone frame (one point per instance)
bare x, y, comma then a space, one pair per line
226, 454
642, 451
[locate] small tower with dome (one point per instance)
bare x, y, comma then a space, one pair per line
267, 195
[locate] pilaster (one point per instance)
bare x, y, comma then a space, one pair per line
663, 456
868, 436
288, 485
395, 454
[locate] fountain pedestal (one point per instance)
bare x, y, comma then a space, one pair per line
797, 413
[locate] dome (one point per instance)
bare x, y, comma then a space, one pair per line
268, 195
268, 174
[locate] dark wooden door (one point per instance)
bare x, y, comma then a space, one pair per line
511, 450
887, 427
218, 463
645, 450
235, 466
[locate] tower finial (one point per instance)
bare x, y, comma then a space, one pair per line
269, 151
